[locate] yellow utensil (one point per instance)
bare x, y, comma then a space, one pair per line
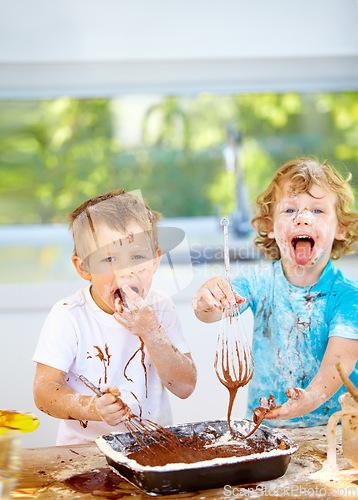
17, 421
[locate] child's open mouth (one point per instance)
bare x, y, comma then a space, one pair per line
120, 294
303, 248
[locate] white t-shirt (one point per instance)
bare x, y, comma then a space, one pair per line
77, 335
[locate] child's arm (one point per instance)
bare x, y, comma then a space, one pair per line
324, 385
176, 370
53, 398
212, 297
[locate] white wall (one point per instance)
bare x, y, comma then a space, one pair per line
117, 30
108, 47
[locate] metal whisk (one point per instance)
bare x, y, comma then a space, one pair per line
147, 432
234, 363
144, 431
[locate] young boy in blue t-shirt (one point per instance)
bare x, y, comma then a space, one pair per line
305, 310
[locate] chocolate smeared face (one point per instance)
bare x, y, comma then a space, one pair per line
305, 226
120, 296
121, 259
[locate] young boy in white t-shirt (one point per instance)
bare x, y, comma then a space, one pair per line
122, 336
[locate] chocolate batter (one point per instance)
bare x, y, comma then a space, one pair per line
224, 365
196, 449
102, 480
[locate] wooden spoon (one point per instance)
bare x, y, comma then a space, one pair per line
347, 382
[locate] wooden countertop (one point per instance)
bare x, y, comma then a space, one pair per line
47, 473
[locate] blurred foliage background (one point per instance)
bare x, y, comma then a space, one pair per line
56, 154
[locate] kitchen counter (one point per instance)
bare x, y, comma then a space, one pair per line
81, 472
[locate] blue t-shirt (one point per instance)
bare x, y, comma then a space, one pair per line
291, 330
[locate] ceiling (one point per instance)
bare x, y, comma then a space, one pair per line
110, 47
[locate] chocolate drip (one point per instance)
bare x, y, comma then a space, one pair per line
226, 370
142, 359
104, 357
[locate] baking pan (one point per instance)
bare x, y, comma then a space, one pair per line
216, 473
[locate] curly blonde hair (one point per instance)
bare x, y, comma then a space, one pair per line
303, 173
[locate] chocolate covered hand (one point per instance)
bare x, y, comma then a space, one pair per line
138, 317
299, 403
213, 297
111, 408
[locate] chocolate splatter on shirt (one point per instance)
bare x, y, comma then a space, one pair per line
104, 358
